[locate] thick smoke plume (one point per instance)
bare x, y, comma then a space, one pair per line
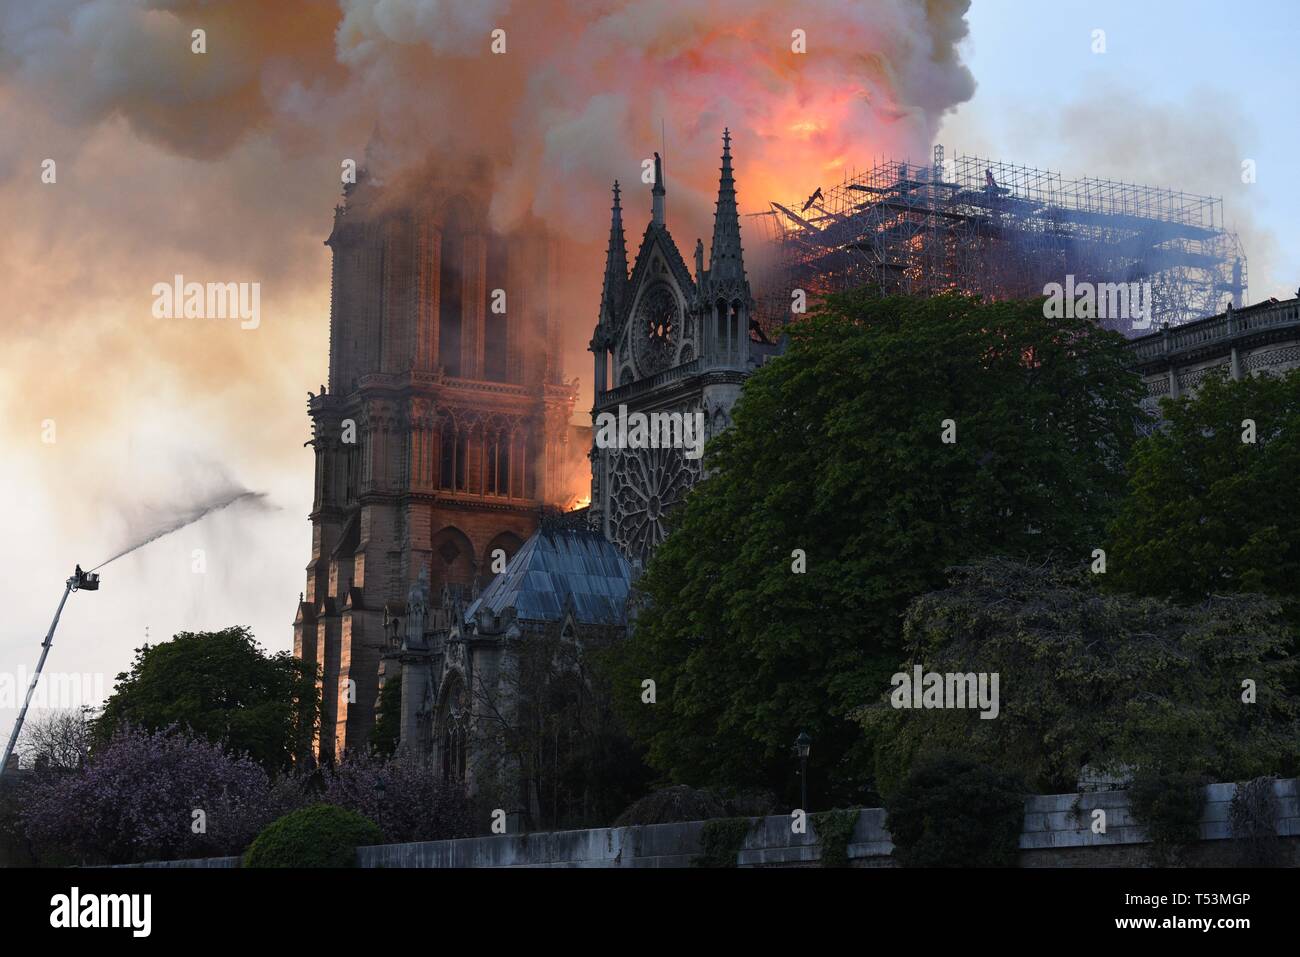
578, 96
223, 166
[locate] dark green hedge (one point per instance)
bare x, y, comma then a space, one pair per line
318, 836
952, 812
1167, 803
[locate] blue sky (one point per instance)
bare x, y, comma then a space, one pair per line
1184, 92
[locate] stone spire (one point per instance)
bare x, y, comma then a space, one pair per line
611, 296
657, 194
726, 259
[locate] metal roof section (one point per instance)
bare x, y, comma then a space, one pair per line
561, 569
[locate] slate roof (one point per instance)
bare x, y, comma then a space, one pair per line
559, 568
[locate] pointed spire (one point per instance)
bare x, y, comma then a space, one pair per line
726, 259
657, 194
611, 296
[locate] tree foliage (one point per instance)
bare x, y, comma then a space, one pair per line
403, 795
151, 796
1206, 512
59, 738
836, 449
721, 840
1087, 677
222, 686
546, 739
681, 802
1167, 803
951, 811
317, 836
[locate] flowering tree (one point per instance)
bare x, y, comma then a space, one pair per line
402, 795
153, 796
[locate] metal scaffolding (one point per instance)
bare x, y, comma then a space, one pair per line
1000, 231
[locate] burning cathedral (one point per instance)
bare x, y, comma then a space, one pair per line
443, 429
442, 441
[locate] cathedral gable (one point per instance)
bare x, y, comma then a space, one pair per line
657, 325
680, 346
659, 258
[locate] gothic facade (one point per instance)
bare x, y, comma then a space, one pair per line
1255, 339
467, 668
667, 341
444, 427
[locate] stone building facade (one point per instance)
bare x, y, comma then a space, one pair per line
443, 437
444, 427
1264, 337
458, 660
667, 341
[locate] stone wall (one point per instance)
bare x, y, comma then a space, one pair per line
1057, 833
1058, 829
216, 862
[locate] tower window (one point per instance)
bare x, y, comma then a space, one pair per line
497, 463
450, 295
495, 325
451, 458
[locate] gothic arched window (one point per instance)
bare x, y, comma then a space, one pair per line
453, 722
453, 451
491, 461
495, 328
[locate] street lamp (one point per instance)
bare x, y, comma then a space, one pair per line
380, 789
802, 745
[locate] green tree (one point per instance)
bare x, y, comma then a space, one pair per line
951, 811
221, 686
546, 740
1206, 512
1089, 677
837, 450
321, 835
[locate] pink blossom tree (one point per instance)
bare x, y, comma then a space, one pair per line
402, 795
152, 796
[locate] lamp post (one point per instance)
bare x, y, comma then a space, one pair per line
380, 791
802, 745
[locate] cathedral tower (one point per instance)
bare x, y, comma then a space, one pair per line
444, 428
667, 341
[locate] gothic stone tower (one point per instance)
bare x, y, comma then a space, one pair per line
666, 342
443, 430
